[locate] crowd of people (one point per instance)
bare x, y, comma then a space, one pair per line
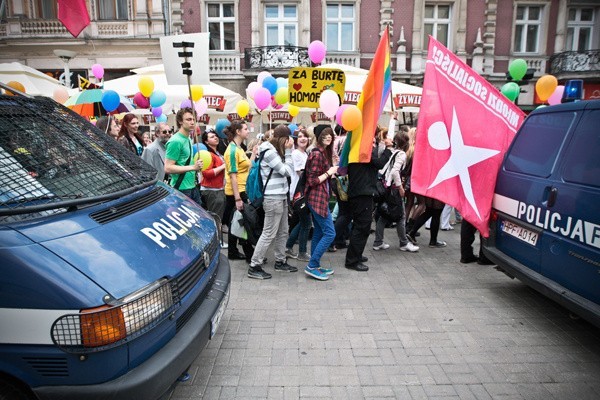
341, 204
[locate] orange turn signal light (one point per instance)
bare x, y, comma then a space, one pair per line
102, 325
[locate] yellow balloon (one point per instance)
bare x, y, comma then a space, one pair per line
545, 86
281, 95
242, 107
206, 158
15, 85
351, 118
293, 110
197, 92
146, 85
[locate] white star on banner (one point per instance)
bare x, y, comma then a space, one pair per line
461, 156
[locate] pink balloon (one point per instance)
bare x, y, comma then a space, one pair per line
252, 89
338, 114
262, 98
157, 111
275, 104
201, 107
98, 71
141, 101
187, 103
556, 97
261, 76
329, 102
316, 51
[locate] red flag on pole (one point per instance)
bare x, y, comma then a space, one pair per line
74, 15
465, 127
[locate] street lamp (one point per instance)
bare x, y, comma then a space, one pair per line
66, 56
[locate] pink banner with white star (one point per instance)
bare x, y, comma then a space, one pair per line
465, 126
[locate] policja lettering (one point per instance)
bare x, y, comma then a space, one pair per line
165, 229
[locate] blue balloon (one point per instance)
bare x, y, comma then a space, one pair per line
110, 100
157, 98
293, 128
197, 147
270, 84
220, 125
162, 118
282, 82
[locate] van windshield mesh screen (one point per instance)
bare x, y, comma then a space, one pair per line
51, 158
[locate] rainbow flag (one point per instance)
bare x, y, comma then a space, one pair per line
375, 92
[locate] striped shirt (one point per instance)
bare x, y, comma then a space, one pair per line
277, 187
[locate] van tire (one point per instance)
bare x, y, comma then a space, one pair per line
10, 390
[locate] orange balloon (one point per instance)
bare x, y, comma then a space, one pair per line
545, 86
15, 85
351, 118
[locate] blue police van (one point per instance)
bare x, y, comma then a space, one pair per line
545, 225
111, 283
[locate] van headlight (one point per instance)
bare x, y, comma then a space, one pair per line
108, 326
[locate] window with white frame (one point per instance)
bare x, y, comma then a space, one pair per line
281, 24
46, 9
112, 10
340, 26
436, 22
528, 23
580, 29
220, 18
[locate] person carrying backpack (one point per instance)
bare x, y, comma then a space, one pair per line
277, 166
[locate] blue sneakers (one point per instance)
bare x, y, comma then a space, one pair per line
316, 273
326, 271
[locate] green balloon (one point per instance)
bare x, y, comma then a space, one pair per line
511, 90
518, 69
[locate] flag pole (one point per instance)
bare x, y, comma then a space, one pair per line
391, 85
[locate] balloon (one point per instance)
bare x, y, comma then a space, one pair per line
352, 118
511, 90
146, 85
316, 51
293, 128
261, 76
186, 104
282, 82
329, 102
220, 125
557, 95
110, 100
293, 110
162, 118
262, 98
98, 71
275, 104
545, 86
140, 100
517, 69
270, 84
60, 95
339, 113
281, 95
157, 111
201, 107
197, 92
252, 87
15, 85
158, 98
242, 107
206, 158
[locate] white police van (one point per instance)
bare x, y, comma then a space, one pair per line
111, 284
545, 225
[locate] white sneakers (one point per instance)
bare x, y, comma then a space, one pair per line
409, 247
382, 246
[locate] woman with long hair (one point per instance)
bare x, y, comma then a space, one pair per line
319, 170
301, 230
414, 202
275, 169
237, 168
108, 125
130, 136
213, 177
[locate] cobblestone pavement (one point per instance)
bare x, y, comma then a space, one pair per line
415, 326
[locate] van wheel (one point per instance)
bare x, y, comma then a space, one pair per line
11, 391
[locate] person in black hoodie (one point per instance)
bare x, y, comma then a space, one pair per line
362, 185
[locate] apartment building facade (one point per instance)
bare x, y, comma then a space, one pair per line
561, 37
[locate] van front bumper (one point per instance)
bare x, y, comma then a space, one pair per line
155, 376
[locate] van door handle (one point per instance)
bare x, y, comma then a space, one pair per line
552, 197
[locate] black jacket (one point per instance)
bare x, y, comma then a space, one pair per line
362, 177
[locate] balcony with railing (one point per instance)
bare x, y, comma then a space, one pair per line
276, 57
572, 64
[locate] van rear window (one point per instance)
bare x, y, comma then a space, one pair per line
52, 159
534, 150
582, 161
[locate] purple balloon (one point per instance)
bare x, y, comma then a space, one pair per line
338, 114
262, 98
187, 103
141, 101
157, 111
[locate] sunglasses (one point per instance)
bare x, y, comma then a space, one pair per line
166, 131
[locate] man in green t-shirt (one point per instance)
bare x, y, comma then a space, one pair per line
178, 158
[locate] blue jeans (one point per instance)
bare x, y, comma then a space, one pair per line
300, 233
323, 236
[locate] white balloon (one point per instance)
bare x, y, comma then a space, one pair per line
261, 76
